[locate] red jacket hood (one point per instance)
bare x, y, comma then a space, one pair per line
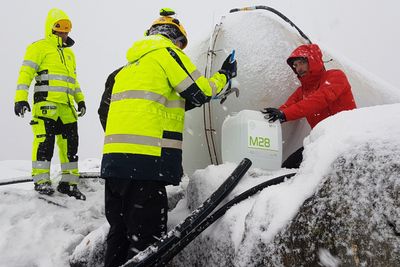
315, 64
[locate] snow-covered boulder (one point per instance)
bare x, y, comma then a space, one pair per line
342, 208
355, 215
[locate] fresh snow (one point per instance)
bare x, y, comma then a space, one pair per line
35, 232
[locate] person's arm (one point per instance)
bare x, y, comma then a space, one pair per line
187, 80
329, 91
30, 65
293, 99
106, 98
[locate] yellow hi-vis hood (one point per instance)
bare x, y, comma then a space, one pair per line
53, 16
148, 44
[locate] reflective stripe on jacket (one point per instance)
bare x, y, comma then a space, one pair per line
53, 67
143, 138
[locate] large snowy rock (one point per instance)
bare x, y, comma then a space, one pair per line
353, 219
341, 209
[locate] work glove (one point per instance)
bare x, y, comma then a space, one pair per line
229, 68
81, 109
21, 107
273, 114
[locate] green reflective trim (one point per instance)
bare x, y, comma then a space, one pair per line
31, 64
23, 87
44, 165
48, 77
69, 166
142, 140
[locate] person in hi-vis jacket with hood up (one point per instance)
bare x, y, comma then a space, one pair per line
51, 62
322, 93
143, 111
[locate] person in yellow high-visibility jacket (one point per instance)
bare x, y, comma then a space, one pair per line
144, 123
51, 62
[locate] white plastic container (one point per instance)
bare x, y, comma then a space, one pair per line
248, 134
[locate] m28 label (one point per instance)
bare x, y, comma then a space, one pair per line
262, 135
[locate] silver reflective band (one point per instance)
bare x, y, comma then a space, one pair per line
31, 64
42, 176
142, 140
69, 166
141, 94
175, 104
48, 77
47, 88
69, 178
213, 88
195, 75
171, 143
45, 165
22, 87
188, 81
78, 90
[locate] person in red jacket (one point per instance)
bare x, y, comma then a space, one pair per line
322, 93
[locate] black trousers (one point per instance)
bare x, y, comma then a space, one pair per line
137, 214
294, 160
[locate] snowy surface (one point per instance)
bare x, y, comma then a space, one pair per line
36, 232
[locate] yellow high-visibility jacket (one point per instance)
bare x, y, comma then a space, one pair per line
143, 138
52, 65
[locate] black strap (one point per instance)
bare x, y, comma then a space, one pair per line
178, 60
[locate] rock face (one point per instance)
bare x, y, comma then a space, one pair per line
355, 215
353, 219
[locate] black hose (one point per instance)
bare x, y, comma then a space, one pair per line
275, 12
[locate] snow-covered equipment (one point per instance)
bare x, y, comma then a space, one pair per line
262, 43
248, 135
154, 255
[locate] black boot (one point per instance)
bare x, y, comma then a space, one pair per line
44, 188
70, 190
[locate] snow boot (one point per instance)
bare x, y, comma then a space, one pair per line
70, 190
44, 188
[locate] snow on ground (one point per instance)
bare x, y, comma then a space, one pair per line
36, 231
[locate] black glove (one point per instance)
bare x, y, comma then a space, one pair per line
21, 107
273, 114
229, 68
81, 108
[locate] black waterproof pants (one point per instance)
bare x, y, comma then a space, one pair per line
137, 214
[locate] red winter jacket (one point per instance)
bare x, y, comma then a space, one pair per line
322, 93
